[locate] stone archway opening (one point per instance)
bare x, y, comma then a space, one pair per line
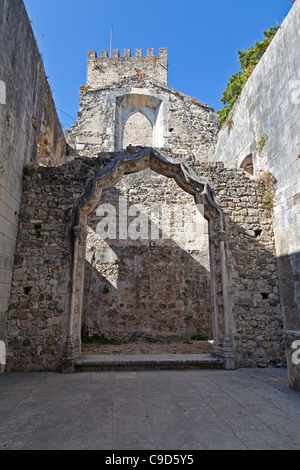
151, 285
203, 196
148, 105
248, 165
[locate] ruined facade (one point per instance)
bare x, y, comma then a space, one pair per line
156, 286
263, 129
126, 95
30, 130
136, 142
158, 289
47, 301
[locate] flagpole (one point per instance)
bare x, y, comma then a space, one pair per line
110, 40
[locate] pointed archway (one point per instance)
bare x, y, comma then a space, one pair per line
137, 131
132, 162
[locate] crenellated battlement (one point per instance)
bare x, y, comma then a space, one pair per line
105, 70
163, 51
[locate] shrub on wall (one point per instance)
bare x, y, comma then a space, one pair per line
248, 60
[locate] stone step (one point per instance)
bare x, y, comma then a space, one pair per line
147, 362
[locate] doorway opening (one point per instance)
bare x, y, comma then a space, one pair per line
148, 290
108, 177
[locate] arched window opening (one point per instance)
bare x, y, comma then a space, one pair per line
247, 164
137, 131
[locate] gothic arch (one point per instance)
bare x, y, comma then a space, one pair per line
247, 164
137, 130
154, 107
107, 178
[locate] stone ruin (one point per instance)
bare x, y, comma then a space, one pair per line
156, 288
137, 148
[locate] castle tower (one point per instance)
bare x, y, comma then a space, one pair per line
105, 71
127, 102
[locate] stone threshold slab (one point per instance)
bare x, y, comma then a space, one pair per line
148, 362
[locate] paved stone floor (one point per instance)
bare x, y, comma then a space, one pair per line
155, 410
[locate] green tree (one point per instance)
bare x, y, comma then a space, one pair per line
248, 60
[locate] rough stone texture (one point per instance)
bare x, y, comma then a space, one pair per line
153, 411
30, 131
147, 346
121, 92
137, 131
269, 106
149, 288
39, 317
178, 122
105, 71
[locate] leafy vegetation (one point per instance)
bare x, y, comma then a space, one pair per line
196, 338
99, 339
261, 143
200, 338
267, 181
187, 341
248, 60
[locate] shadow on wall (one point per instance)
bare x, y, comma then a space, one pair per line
163, 291
256, 301
146, 288
289, 282
40, 302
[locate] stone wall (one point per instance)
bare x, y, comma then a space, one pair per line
251, 255
30, 131
106, 71
39, 315
137, 131
265, 124
179, 123
152, 287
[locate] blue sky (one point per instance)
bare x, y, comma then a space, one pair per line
202, 37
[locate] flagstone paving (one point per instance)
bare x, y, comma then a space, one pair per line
154, 410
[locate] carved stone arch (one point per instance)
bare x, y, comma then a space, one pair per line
247, 164
108, 177
153, 106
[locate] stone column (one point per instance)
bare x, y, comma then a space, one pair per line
71, 345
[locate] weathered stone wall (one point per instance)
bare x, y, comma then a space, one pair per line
179, 122
265, 123
40, 302
137, 131
153, 288
105, 71
28, 121
251, 255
